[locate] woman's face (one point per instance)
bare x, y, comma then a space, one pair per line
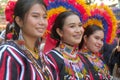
35, 22
72, 31
94, 42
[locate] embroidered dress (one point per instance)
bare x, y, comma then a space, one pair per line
77, 66
67, 66
96, 67
16, 65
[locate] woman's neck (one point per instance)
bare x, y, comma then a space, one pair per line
30, 45
30, 42
68, 48
88, 51
84, 49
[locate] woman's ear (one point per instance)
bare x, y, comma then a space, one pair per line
60, 32
19, 21
85, 38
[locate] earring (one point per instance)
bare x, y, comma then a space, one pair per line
20, 37
38, 43
21, 40
62, 46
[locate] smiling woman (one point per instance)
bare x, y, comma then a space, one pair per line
21, 53
90, 46
67, 29
97, 26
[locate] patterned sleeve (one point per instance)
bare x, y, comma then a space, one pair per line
57, 65
8, 68
12, 66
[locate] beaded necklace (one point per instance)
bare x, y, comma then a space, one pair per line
33, 52
72, 60
94, 59
42, 69
29, 53
69, 52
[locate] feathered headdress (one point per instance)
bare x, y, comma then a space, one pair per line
55, 7
103, 16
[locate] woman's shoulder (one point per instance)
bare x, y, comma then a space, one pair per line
55, 52
55, 55
55, 58
8, 44
10, 48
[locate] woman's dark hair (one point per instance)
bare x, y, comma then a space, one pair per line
89, 30
59, 22
8, 30
21, 8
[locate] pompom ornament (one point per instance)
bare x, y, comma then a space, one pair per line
9, 36
9, 11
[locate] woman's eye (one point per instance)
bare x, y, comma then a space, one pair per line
45, 17
97, 38
71, 26
35, 16
80, 25
102, 39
